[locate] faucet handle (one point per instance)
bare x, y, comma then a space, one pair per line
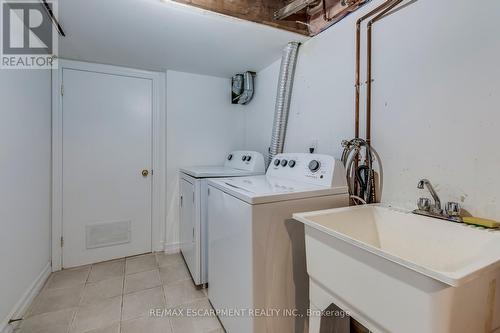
424, 204
453, 209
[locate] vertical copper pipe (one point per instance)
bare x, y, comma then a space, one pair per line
369, 66
357, 84
357, 80
368, 82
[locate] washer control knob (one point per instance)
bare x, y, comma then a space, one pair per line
277, 162
230, 157
244, 158
249, 158
291, 164
314, 165
284, 163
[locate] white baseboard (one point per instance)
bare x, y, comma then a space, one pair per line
24, 302
171, 248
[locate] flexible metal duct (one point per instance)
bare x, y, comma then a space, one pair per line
285, 85
248, 90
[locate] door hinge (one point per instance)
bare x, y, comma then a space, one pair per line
62, 90
193, 196
209, 191
151, 172
193, 233
62, 241
181, 200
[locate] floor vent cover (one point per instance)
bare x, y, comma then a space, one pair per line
108, 234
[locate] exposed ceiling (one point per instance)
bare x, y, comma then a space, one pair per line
161, 35
260, 11
307, 17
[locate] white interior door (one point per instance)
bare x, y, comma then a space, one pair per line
107, 143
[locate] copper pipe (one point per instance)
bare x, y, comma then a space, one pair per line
357, 84
352, 6
369, 66
325, 13
358, 61
368, 133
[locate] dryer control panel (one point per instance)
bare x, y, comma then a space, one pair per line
245, 160
317, 169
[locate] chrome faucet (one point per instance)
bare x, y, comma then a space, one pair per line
452, 212
436, 208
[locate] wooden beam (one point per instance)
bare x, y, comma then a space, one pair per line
260, 11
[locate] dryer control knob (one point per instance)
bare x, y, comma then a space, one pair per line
249, 158
291, 164
277, 162
230, 157
244, 158
314, 165
284, 163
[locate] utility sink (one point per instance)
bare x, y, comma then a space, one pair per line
400, 272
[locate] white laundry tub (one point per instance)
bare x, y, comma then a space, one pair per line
399, 272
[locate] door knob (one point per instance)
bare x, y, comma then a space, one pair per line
145, 173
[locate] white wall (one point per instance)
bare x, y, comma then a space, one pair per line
435, 107
25, 134
202, 127
259, 114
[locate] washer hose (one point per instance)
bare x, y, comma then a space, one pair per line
360, 178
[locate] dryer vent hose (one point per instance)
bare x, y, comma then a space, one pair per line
284, 94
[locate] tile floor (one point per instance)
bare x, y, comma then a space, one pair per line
116, 297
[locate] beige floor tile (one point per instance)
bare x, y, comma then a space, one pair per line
138, 264
107, 270
68, 278
174, 273
52, 322
200, 324
114, 328
98, 291
97, 315
147, 324
139, 304
182, 292
50, 300
142, 281
169, 259
101, 308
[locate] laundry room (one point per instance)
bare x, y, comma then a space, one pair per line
175, 166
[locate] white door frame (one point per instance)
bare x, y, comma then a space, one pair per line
158, 151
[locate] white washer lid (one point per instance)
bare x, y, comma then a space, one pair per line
216, 171
265, 189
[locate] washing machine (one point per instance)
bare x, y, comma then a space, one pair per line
193, 205
258, 278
